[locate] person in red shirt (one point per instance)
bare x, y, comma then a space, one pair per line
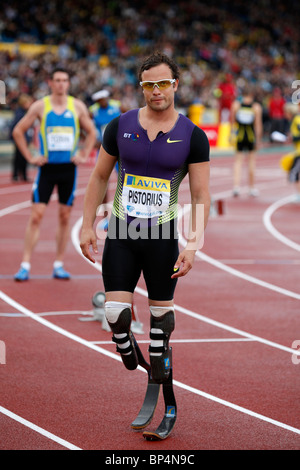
227, 91
276, 112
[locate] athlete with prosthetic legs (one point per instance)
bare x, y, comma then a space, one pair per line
155, 147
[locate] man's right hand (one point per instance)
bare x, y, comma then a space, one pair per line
88, 237
38, 161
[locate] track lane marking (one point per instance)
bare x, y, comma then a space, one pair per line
28, 203
38, 429
190, 341
198, 392
193, 390
235, 272
218, 264
139, 290
270, 227
199, 254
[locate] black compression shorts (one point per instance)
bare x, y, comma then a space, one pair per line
125, 259
294, 173
245, 139
63, 176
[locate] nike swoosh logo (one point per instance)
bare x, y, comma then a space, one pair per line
173, 141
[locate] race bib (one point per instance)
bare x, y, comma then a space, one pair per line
60, 138
245, 116
145, 197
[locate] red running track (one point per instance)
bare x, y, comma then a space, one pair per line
235, 346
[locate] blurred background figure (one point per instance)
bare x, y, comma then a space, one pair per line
19, 163
292, 160
226, 93
277, 115
246, 116
102, 112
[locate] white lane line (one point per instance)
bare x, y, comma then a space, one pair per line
14, 208
218, 264
46, 314
139, 290
186, 311
199, 254
244, 276
270, 227
235, 272
190, 341
227, 193
50, 325
22, 188
213, 398
25, 204
281, 262
37, 429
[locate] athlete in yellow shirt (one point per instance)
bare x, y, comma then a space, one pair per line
294, 173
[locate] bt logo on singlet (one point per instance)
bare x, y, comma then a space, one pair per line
133, 137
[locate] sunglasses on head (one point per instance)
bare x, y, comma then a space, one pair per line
165, 83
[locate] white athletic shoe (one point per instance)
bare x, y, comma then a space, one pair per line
253, 192
236, 191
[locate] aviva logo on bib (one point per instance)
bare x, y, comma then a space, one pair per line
145, 182
145, 197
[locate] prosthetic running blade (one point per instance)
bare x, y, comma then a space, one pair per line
147, 410
167, 424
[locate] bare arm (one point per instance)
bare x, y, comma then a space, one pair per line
35, 112
258, 122
199, 213
88, 126
234, 107
94, 196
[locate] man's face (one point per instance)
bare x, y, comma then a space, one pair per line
103, 102
159, 99
60, 83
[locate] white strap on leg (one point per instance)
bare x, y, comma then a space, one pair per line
157, 311
112, 313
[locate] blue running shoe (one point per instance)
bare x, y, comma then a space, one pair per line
22, 275
60, 273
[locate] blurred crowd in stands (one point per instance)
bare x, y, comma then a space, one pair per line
102, 42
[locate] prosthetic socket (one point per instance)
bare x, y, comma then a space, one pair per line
162, 324
119, 319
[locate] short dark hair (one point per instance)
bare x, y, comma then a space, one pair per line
248, 90
157, 58
59, 69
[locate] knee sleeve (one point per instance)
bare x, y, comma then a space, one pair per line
162, 324
113, 310
118, 315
